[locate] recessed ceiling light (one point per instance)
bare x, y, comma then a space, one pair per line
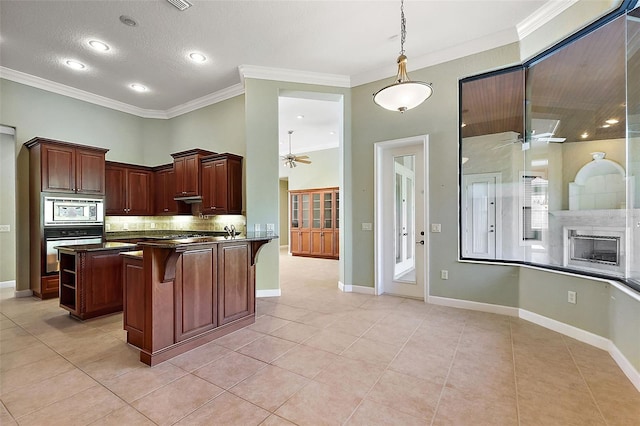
197, 57
332, 133
138, 87
75, 64
300, 116
584, 135
98, 45
612, 121
130, 22
604, 126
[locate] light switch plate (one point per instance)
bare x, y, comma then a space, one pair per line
367, 226
5, 228
436, 227
256, 227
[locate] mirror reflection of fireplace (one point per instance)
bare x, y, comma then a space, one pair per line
596, 249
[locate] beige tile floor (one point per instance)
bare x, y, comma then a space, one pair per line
314, 356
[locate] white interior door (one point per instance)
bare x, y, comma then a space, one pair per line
401, 249
482, 213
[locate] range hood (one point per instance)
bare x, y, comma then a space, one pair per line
189, 199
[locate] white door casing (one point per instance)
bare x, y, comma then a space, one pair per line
385, 215
482, 218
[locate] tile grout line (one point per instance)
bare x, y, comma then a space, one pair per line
385, 369
446, 379
593, 398
515, 378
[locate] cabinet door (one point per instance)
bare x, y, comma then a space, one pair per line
221, 192
58, 169
187, 175
294, 242
161, 185
115, 200
103, 284
295, 211
89, 172
139, 193
208, 187
235, 289
195, 293
133, 303
316, 242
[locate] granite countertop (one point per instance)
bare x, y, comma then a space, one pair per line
105, 246
136, 254
161, 234
183, 242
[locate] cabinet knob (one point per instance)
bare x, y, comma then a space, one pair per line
166, 210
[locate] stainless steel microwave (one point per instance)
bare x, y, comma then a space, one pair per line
73, 211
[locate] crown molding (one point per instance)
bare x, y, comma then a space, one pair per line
544, 14
478, 45
210, 99
62, 89
293, 76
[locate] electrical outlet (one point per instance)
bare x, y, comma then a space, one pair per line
270, 228
436, 227
107, 227
572, 297
367, 226
256, 227
153, 225
444, 274
125, 226
5, 228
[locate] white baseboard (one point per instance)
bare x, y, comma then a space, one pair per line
627, 368
268, 293
568, 330
23, 293
7, 284
473, 306
356, 289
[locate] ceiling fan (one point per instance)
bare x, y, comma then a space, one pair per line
290, 160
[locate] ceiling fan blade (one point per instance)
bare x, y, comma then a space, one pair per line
303, 161
302, 156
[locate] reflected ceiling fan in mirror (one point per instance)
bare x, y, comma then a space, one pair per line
290, 160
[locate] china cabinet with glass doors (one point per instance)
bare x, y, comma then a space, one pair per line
314, 222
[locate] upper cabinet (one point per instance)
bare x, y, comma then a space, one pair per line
128, 190
222, 184
186, 165
67, 168
165, 190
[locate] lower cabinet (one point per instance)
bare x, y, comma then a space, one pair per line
177, 299
133, 296
91, 282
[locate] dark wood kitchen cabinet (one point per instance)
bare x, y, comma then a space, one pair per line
186, 165
128, 190
57, 168
164, 191
222, 184
184, 295
67, 168
91, 280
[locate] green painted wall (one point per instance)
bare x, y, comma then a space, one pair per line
35, 112
321, 173
437, 117
7, 207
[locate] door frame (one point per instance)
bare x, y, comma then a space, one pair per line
497, 178
382, 152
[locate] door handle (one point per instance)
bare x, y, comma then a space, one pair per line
405, 234
421, 242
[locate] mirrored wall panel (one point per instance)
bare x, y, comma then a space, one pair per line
549, 156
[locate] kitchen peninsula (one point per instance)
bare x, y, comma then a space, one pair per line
182, 293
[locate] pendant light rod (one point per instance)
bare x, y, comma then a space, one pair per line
403, 94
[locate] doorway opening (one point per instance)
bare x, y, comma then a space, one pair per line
401, 215
310, 129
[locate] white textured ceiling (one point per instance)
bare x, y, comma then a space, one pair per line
357, 41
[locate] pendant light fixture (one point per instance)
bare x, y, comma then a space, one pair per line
403, 94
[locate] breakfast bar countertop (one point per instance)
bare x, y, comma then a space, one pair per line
108, 245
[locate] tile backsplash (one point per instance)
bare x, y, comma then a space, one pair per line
174, 223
